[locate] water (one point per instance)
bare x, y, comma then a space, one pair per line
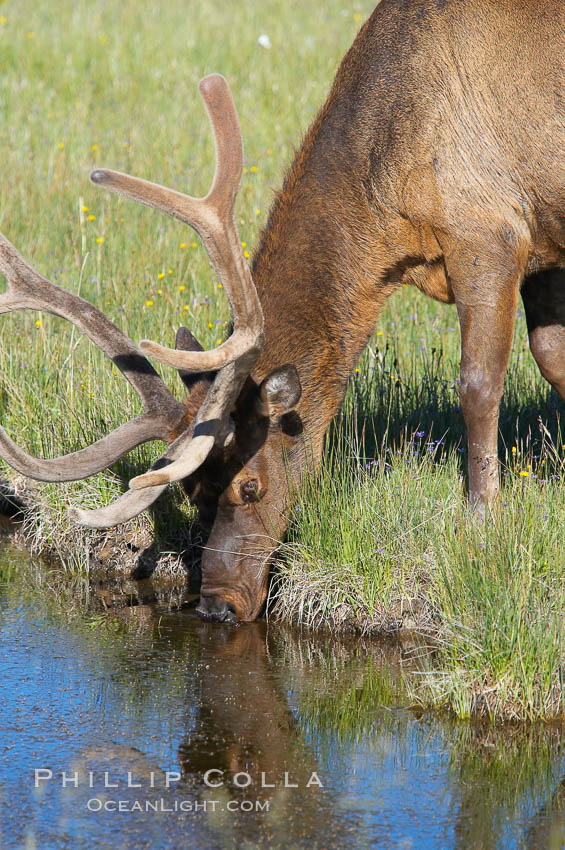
154, 698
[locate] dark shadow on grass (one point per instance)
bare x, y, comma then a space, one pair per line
11, 509
386, 408
10, 504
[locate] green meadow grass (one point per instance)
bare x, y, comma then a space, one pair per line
383, 535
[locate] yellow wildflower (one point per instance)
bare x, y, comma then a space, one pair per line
181, 288
182, 246
100, 240
161, 275
94, 148
149, 303
524, 473
84, 209
60, 146
38, 323
91, 218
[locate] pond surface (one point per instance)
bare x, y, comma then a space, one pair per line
146, 728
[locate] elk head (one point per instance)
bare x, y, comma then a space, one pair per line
232, 452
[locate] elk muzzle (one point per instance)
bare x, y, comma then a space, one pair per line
235, 564
216, 609
236, 602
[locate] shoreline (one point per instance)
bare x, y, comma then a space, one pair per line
131, 570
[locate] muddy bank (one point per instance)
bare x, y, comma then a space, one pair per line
130, 569
137, 565
122, 567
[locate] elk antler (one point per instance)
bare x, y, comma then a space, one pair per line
27, 289
213, 218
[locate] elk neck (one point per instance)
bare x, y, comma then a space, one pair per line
322, 275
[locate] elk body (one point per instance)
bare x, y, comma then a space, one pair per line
437, 160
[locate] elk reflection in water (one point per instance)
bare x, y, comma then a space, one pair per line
167, 692
245, 743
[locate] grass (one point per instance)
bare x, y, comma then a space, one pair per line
382, 537
351, 693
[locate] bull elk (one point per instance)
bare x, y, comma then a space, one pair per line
437, 160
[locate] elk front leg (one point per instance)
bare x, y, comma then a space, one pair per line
487, 311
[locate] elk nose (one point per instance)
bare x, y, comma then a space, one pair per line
215, 609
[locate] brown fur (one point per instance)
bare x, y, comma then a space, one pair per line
438, 161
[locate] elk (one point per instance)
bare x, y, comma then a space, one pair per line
436, 161
248, 728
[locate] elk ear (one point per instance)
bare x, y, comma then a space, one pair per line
280, 391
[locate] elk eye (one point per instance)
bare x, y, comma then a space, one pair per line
250, 491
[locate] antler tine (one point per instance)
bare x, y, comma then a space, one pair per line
213, 219
136, 500
85, 462
210, 426
126, 507
27, 289
228, 142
